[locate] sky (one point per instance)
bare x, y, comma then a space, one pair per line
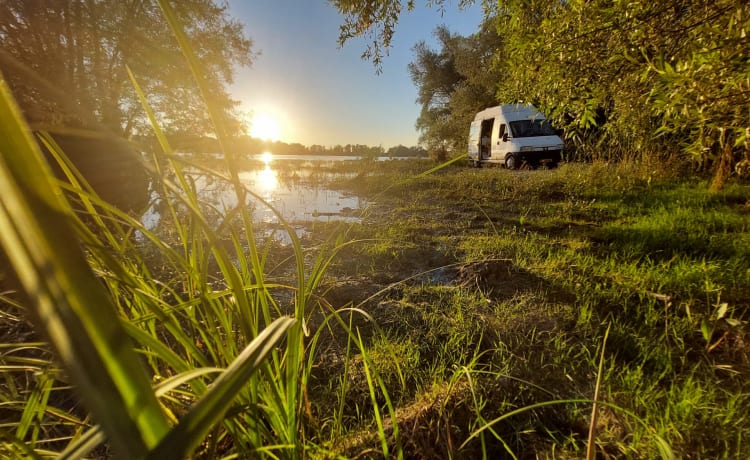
303, 88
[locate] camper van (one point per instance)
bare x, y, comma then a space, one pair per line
513, 135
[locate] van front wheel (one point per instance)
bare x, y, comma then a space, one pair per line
511, 161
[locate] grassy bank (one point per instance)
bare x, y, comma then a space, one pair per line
473, 313
513, 280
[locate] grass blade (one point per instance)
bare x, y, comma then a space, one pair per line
70, 305
209, 409
591, 446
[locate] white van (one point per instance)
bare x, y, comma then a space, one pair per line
515, 135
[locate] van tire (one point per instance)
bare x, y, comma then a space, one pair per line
512, 161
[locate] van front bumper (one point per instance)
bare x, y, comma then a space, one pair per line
536, 157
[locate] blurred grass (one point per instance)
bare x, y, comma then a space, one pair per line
72, 309
65, 263
487, 296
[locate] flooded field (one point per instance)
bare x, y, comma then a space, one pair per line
297, 188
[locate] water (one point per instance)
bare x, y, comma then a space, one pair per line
295, 186
298, 199
314, 159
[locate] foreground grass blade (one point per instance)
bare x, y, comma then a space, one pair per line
590, 445
209, 409
69, 304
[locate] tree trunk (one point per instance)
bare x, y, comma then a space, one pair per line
726, 162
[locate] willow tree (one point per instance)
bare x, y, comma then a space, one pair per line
645, 77
702, 87
453, 83
626, 79
66, 61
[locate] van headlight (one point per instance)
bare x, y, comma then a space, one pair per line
527, 148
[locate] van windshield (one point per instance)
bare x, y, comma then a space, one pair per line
531, 128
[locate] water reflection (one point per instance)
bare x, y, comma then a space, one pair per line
261, 181
298, 191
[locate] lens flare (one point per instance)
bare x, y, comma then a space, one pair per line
265, 127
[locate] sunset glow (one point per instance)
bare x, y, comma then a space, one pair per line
265, 127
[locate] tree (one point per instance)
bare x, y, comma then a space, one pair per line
571, 60
453, 84
403, 151
702, 87
644, 77
625, 79
376, 22
66, 60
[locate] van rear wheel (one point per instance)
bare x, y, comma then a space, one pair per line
511, 161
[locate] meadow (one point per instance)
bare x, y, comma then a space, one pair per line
535, 293
595, 308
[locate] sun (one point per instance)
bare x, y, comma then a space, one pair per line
265, 127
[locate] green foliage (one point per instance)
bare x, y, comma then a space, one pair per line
624, 79
376, 21
703, 84
630, 79
453, 84
65, 62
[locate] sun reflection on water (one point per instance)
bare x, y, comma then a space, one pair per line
267, 179
295, 191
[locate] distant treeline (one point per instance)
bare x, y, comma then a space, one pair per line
249, 146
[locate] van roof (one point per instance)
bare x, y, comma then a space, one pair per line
511, 112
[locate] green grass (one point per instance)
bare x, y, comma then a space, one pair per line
172, 342
486, 310
485, 297
658, 258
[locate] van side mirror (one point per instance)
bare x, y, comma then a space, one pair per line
505, 137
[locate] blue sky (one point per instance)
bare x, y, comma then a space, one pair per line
322, 94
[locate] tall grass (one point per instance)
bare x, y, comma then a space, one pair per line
188, 357
178, 342
93, 297
175, 339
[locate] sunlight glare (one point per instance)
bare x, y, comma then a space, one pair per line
267, 180
267, 158
265, 127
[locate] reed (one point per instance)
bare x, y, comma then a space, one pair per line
178, 341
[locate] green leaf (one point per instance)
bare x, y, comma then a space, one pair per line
191, 430
721, 310
70, 306
706, 330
